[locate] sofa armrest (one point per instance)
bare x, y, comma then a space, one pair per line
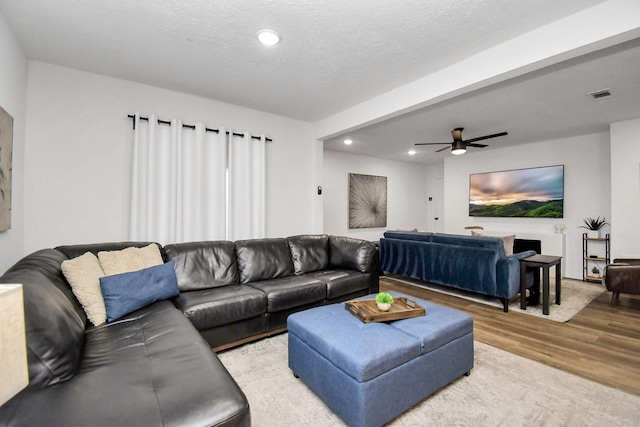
522, 255
508, 274
355, 254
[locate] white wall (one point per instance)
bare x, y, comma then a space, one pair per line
78, 155
435, 180
406, 193
587, 188
625, 189
13, 93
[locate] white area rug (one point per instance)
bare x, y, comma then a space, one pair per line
575, 295
502, 390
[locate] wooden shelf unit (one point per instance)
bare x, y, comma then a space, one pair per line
588, 261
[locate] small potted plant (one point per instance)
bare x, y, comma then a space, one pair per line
384, 301
596, 271
593, 226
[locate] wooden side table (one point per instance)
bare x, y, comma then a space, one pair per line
545, 262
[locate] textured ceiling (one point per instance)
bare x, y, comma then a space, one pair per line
333, 55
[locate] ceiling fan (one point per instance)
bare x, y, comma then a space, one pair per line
459, 146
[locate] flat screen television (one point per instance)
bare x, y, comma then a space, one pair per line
532, 193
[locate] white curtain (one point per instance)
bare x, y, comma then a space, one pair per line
247, 187
178, 185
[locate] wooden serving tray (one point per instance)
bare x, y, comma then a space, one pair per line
367, 310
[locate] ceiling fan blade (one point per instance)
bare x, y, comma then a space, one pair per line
480, 138
432, 143
442, 149
477, 145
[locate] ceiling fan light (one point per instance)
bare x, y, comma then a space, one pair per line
458, 147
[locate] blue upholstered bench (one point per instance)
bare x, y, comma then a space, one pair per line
369, 373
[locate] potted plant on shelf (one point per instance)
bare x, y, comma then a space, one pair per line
593, 226
384, 301
596, 271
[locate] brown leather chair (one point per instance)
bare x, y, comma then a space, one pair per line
622, 276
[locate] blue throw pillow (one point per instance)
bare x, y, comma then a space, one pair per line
127, 292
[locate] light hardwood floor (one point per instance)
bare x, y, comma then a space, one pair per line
600, 343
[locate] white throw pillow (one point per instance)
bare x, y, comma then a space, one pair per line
507, 241
83, 274
129, 259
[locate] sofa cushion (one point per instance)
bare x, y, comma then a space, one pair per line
346, 252
342, 282
309, 252
208, 308
54, 320
129, 259
203, 265
293, 291
262, 259
83, 274
127, 292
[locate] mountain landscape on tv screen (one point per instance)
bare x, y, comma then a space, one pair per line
523, 208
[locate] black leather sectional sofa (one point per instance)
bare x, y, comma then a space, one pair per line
152, 367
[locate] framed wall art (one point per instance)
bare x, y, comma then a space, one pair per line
531, 192
367, 201
6, 146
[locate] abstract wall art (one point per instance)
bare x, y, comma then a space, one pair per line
367, 201
6, 145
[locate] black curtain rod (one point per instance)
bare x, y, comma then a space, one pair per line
164, 122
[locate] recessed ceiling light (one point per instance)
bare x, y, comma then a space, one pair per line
268, 37
412, 152
348, 141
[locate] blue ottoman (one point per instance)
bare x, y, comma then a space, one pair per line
369, 373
